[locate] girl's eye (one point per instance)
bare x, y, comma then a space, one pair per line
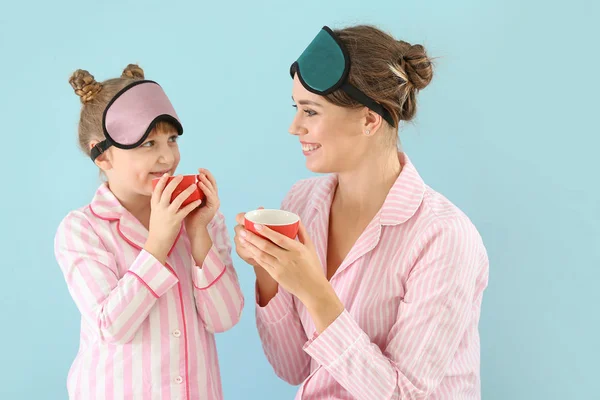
174, 138
149, 143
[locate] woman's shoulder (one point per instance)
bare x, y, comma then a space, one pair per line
442, 216
439, 207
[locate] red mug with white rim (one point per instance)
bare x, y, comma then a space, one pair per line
284, 222
186, 182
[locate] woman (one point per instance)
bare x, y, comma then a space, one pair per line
381, 296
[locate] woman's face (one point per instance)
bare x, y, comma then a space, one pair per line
333, 138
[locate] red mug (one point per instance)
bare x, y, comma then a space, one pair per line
284, 222
186, 182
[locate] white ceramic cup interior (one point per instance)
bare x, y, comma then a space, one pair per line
272, 217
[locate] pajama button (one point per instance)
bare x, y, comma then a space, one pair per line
177, 333
179, 380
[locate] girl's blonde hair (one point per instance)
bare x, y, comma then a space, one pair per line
95, 96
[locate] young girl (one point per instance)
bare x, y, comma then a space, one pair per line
153, 280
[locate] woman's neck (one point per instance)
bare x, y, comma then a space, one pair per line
363, 190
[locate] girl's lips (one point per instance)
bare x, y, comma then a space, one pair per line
159, 174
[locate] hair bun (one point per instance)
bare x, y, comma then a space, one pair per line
84, 85
133, 71
416, 63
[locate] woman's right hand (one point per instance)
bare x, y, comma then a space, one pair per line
240, 246
267, 286
166, 216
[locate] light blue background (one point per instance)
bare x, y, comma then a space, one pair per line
507, 130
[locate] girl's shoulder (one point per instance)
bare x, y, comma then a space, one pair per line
81, 222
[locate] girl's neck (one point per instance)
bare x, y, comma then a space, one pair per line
138, 205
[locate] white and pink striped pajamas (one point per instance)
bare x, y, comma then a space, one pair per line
147, 328
412, 288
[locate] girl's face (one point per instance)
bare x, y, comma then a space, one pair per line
130, 172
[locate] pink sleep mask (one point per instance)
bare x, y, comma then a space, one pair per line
132, 114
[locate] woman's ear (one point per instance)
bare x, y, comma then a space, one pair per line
372, 122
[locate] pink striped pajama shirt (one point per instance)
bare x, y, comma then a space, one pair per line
412, 288
147, 328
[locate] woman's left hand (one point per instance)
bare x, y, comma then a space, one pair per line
198, 220
294, 265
